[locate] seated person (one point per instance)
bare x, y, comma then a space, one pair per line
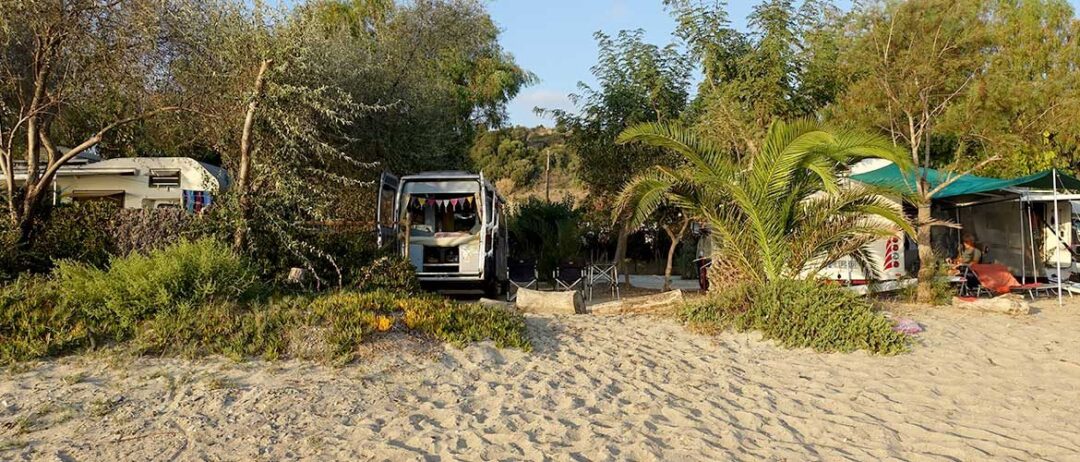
969, 253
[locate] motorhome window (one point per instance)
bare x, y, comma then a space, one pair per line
164, 178
442, 213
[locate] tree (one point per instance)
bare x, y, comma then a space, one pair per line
638, 82
782, 68
73, 73
789, 216
912, 63
1024, 102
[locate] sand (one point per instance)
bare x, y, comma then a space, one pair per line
977, 386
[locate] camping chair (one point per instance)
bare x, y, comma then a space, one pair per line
969, 284
570, 276
995, 279
604, 274
522, 275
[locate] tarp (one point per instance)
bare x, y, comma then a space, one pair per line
892, 178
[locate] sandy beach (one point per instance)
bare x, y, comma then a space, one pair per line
977, 386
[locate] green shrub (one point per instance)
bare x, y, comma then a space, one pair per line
137, 287
547, 232
464, 323
351, 315
76, 231
33, 324
390, 273
223, 328
799, 314
146, 230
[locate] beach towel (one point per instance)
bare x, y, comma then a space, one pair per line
908, 326
996, 278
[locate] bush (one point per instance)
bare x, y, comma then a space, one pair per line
223, 328
461, 324
356, 314
76, 231
547, 232
798, 314
33, 324
137, 287
391, 273
146, 230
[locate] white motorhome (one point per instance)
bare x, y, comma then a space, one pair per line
135, 182
449, 225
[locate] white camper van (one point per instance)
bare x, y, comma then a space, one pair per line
450, 225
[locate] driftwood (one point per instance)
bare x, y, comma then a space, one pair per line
657, 303
1007, 304
562, 302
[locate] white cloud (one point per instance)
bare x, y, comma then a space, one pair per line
545, 98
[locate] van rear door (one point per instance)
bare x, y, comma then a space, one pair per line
386, 210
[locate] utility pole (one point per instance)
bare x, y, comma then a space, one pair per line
547, 177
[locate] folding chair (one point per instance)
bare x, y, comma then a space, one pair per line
522, 275
969, 284
604, 274
995, 279
570, 276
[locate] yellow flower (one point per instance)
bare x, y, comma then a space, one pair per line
384, 323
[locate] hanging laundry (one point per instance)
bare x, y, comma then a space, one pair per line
195, 201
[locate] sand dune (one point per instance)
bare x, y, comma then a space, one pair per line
597, 388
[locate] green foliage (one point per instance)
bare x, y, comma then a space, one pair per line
783, 67
799, 314
464, 323
34, 324
145, 230
547, 232
391, 273
519, 154
77, 231
224, 328
786, 217
137, 287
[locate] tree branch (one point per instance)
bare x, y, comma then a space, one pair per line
952, 178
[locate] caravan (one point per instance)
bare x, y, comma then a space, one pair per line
449, 225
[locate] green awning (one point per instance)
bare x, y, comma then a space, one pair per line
890, 177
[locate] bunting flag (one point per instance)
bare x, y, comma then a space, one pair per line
454, 203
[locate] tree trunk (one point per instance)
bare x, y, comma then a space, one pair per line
620, 251
675, 239
558, 302
243, 181
927, 259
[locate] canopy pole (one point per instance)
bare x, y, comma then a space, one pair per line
1057, 237
1031, 240
1023, 260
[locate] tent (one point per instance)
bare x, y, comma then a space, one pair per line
969, 192
891, 177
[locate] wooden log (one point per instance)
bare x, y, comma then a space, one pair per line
562, 302
657, 303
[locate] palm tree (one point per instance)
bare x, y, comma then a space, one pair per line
783, 212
